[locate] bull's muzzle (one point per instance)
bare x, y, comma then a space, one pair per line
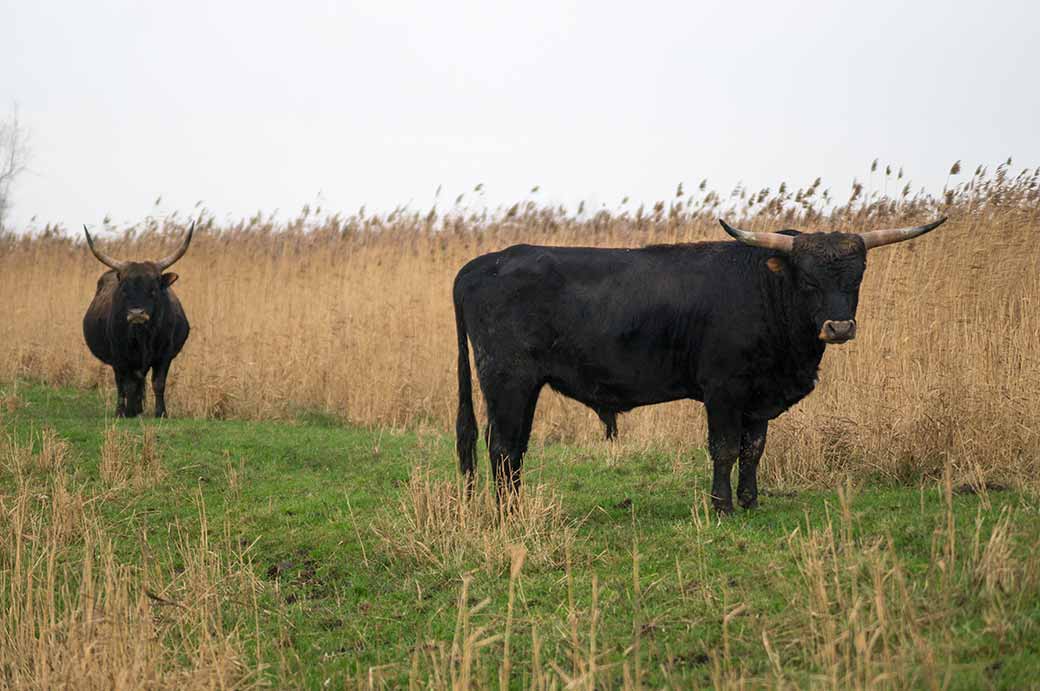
137, 317
838, 331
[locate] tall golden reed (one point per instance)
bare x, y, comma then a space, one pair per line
353, 316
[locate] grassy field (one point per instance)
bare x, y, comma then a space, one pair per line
307, 553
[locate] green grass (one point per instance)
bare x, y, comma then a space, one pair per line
337, 600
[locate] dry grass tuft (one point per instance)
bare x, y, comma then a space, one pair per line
10, 402
436, 524
481, 655
73, 616
997, 569
864, 625
867, 623
54, 451
131, 460
41, 453
115, 464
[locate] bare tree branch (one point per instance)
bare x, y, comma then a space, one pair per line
14, 155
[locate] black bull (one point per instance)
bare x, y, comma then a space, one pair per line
741, 326
135, 323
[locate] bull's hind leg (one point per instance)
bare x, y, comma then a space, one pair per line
724, 427
752, 444
510, 414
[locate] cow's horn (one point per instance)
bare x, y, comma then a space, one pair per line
771, 241
101, 257
877, 238
169, 261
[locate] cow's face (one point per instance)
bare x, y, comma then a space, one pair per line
141, 294
828, 269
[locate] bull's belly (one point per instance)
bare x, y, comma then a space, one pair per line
612, 397
99, 347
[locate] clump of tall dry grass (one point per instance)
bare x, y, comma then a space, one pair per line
438, 525
73, 616
42, 452
129, 459
857, 617
353, 316
481, 652
867, 622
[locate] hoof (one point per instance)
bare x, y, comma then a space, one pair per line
722, 508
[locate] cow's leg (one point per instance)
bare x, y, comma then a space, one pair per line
510, 414
724, 447
133, 383
120, 393
609, 421
752, 444
159, 373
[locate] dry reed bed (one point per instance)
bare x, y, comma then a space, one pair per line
354, 317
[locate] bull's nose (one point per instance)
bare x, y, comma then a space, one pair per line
136, 316
838, 331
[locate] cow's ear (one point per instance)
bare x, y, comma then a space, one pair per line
168, 279
777, 265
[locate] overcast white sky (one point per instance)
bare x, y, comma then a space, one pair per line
252, 106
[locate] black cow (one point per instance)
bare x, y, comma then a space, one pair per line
741, 326
135, 323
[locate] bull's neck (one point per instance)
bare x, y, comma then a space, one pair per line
788, 320
136, 342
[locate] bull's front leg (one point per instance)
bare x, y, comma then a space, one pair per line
120, 393
159, 373
133, 386
724, 430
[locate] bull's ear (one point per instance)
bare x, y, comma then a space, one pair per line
168, 279
777, 265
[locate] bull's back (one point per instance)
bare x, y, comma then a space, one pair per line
598, 292
604, 326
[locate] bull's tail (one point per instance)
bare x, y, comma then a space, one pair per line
465, 420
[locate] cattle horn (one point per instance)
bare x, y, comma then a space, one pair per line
877, 238
169, 261
770, 241
101, 257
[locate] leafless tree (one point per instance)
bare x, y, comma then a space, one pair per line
14, 154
